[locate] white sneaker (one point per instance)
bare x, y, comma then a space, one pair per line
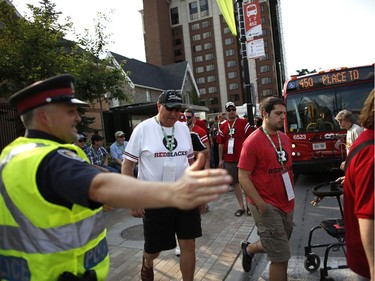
177, 251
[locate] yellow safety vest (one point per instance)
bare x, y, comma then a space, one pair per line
38, 239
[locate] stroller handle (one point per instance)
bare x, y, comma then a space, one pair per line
335, 189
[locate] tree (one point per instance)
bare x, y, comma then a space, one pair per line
34, 49
305, 71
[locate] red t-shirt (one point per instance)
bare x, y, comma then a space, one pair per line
359, 201
240, 129
259, 156
202, 134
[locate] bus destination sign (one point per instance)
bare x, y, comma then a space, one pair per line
337, 77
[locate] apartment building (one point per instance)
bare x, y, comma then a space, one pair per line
195, 31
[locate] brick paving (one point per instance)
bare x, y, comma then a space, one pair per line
216, 251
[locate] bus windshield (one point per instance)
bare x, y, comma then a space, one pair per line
316, 110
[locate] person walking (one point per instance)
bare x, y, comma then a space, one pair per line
265, 173
230, 138
51, 219
359, 196
164, 157
117, 150
347, 122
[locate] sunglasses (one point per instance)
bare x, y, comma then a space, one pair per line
177, 108
83, 140
121, 136
231, 109
188, 117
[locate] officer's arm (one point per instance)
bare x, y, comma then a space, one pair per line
193, 189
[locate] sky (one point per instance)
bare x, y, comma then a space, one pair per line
318, 34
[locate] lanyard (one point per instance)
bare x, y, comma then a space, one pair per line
229, 127
278, 153
169, 143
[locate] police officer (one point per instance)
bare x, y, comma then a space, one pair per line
51, 222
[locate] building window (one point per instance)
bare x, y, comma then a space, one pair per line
148, 95
212, 90
211, 78
229, 52
210, 67
174, 16
197, 48
232, 75
177, 52
198, 59
233, 86
196, 37
193, 10
204, 8
177, 42
201, 80
199, 69
195, 26
263, 20
231, 63
264, 57
176, 31
207, 35
229, 41
206, 23
226, 30
267, 92
266, 80
265, 68
208, 46
209, 57
202, 91
264, 32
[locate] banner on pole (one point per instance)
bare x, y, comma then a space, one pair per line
255, 48
253, 26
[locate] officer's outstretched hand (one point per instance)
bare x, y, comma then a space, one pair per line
200, 186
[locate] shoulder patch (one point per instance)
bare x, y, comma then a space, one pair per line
69, 154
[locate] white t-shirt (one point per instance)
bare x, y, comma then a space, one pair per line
148, 145
351, 135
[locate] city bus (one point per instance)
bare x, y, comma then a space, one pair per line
312, 102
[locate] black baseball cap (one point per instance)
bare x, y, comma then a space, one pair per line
170, 99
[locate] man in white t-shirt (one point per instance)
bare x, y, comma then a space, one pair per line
163, 149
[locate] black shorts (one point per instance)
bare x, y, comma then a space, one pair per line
160, 226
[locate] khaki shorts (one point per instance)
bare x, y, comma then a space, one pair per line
274, 228
232, 169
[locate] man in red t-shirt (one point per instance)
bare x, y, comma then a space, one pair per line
359, 197
203, 137
265, 173
232, 134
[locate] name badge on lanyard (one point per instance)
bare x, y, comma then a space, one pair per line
288, 185
230, 146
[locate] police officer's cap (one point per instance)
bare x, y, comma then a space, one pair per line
57, 89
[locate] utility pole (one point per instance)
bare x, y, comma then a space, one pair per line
240, 22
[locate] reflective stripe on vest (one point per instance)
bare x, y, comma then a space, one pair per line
31, 239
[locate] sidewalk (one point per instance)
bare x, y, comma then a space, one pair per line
217, 250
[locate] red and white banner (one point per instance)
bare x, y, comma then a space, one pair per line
253, 26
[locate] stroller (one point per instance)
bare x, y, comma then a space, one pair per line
333, 227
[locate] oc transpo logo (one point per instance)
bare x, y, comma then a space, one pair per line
167, 142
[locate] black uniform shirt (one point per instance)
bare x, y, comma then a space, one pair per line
63, 178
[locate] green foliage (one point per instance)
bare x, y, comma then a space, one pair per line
305, 71
34, 49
